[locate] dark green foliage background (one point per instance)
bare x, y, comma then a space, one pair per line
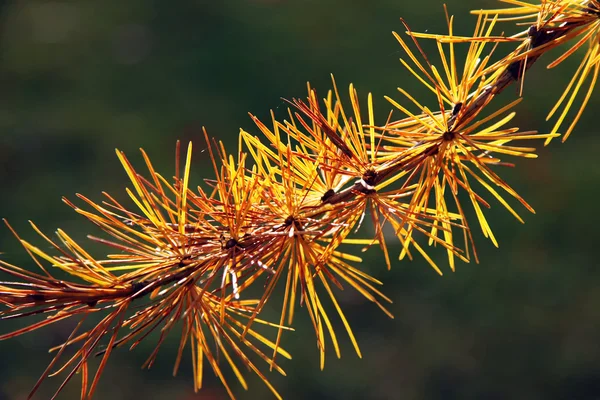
79, 78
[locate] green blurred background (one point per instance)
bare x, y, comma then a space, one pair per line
79, 78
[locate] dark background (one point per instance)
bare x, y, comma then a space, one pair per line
79, 78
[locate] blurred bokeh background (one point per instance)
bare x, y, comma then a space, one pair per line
79, 78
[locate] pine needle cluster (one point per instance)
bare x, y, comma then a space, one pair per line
276, 213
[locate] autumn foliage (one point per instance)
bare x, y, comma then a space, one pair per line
182, 260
